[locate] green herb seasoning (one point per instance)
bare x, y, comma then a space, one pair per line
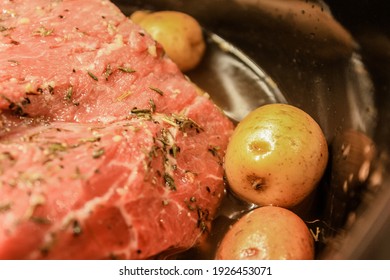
214, 150
76, 228
5, 207
68, 93
164, 138
159, 91
14, 62
174, 150
56, 147
92, 76
126, 69
48, 243
182, 122
153, 153
145, 113
169, 181
107, 72
90, 139
40, 220
152, 105
140, 111
124, 95
190, 207
50, 89
165, 202
17, 109
202, 218
98, 153
78, 175
186, 123
6, 155
43, 31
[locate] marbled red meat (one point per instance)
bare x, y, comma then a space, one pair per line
106, 149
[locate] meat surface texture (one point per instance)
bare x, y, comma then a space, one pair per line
106, 149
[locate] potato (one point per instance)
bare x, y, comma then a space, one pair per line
137, 16
267, 233
276, 156
180, 35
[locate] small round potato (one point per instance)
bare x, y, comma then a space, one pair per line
180, 35
267, 233
276, 156
137, 16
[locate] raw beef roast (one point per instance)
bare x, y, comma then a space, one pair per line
106, 149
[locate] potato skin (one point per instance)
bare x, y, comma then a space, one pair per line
180, 35
276, 156
267, 233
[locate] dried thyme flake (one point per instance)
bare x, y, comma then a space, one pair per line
17, 109
56, 147
40, 220
76, 228
124, 95
182, 122
214, 150
98, 153
126, 69
191, 207
202, 225
169, 181
92, 76
50, 89
31, 178
5, 207
78, 175
145, 113
107, 72
48, 245
165, 202
174, 150
153, 153
13, 61
68, 93
152, 105
169, 120
202, 218
140, 111
186, 123
43, 31
159, 91
6, 155
164, 137
91, 139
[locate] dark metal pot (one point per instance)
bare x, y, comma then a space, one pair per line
331, 59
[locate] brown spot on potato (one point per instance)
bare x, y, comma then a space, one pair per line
256, 182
